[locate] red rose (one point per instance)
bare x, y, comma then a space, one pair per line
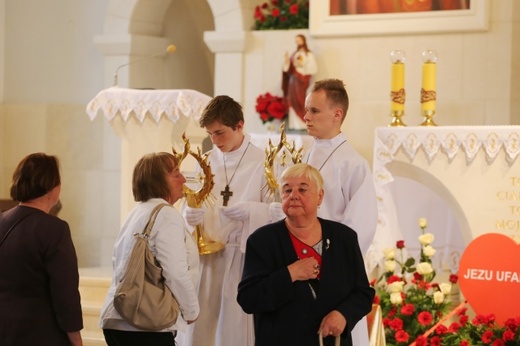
508, 335
258, 13
274, 2
464, 343
376, 299
264, 117
498, 342
487, 336
454, 278
425, 318
441, 330
400, 244
511, 323
265, 5
401, 336
277, 110
293, 9
392, 312
386, 321
396, 324
407, 309
393, 278
421, 341
275, 12
463, 319
435, 341
454, 327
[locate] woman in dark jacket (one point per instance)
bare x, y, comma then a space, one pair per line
304, 276
39, 296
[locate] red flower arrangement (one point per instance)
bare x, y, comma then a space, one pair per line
282, 14
271, 107
481, 330
410, 301
415, 309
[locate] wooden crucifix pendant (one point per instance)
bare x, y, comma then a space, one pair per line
226, 194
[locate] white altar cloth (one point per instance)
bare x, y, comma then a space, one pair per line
435, 150
169, 103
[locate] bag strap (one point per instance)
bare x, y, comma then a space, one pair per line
337, 343
151, 220
13, 226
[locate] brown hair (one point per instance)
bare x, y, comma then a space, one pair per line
36, 175
335, 92
223, 109
304, 44
149, 178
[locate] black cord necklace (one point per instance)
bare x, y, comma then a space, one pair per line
330, 155
227, 193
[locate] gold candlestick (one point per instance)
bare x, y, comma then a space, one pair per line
397, 92
428, 90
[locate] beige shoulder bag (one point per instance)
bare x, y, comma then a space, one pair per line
142, 298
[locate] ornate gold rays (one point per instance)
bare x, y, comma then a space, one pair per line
271, 153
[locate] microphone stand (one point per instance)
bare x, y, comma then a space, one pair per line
169, 50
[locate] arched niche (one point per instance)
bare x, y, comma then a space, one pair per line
418, 194
210, 37
136, 30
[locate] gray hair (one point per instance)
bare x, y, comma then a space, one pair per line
303, 170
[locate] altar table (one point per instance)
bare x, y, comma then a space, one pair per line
464, 179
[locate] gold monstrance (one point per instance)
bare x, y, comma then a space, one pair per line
271, 152
195, 198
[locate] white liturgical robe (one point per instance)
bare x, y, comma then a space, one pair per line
221, 321
349, 197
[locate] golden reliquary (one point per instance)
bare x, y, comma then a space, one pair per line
277, 158
195, 198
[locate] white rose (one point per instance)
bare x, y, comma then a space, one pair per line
426, 239
424, 268
396, 298
438, 297
396, 287
428, 251
389, 253
423, 223
445, 288
390, 266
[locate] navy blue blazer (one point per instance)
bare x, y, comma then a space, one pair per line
285, 312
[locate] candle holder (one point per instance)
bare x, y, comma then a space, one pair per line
428, 92
397, 92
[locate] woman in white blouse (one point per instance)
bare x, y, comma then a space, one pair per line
156, 180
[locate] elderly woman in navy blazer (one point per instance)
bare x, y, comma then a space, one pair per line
304, 276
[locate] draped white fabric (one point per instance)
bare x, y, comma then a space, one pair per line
172, 104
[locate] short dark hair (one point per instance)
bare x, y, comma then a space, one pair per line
149, 178
223, 109
335, 91
36, 175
